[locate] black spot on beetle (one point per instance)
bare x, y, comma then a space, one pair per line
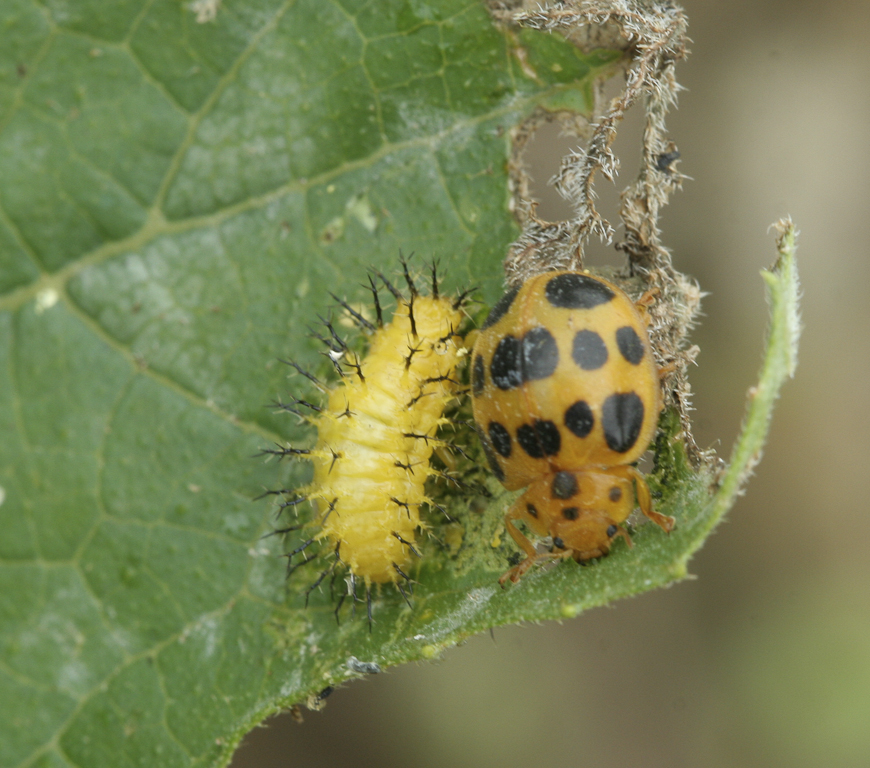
564, 485
570, 513
539, 439
516, 361
528, 441
532, 510
506, 367
500, 437
540, 354
575, 291
548, 434
579, 418
630, 345
611, 531
491, 459
622, 418
589, 350
615, 494
478, 376
500, 308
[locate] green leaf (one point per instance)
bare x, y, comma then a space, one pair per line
177, 198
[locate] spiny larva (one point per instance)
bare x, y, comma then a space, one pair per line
566, 398
375, 436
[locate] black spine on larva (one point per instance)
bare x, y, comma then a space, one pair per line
443, 511
437, 379
329, 511
290, 407
317, 582
282, 531
281, 492
299, 550
338, 604
403, 575
390, 287
435, 279
431, 380
411, 316
338, 344
439, 441
411, 352
451, 332
281, 452
411, 286
330, 345
335, 457
401, 588
416, 436
404, 504
306, 404
292, 503
461, 298
403, 593
355, 316
377, 301
336, 347
357, 366
345, 414
419, 397
408, 544
307, 374
332, 583
336, 560
455, 480
291, 569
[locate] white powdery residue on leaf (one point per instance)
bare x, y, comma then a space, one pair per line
233, 523
256, 146
474, 602
126, 639
205, 631
205, 10
427, 120
311, 642
74, 676
292, 687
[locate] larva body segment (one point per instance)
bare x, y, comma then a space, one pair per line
376, 435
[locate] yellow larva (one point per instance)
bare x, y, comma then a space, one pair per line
376, 435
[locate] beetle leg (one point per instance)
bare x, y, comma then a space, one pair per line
532, 555
644, 499
515, 573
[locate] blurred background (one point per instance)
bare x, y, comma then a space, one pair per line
764, 658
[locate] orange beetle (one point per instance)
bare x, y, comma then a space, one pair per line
566, 397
